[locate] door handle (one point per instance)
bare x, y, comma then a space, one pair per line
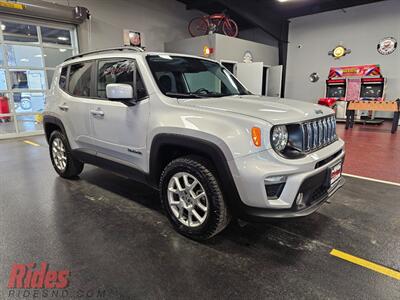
63, 107
97, 113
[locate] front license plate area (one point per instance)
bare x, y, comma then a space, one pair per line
336, 173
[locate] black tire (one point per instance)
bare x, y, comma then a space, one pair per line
73, 166
217, 216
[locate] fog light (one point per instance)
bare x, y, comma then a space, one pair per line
274, 186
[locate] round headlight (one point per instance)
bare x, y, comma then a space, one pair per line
279, 137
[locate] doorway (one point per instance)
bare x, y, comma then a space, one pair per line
29, 54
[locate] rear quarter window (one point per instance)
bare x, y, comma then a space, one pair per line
63, 78
80, 79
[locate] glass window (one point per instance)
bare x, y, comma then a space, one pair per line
202, 80
63, 78
7, 125
54, 56
28, 79
3, 81
55, 36
17, 32
29, 123
80, 79
118, 71
5, 104
1, 55
179, 76
24, 56
28, 62
141, 89
114, 71
28, 102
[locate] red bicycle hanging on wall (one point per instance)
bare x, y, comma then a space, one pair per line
213, 23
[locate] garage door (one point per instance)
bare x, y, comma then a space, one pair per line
29, 53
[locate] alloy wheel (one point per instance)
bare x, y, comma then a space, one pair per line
187, 199
59, 154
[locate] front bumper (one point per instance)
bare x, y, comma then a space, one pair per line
309, 176
259, 214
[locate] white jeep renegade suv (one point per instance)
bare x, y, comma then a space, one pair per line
186, 126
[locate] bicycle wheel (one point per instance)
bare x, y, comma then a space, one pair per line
230, 28
198, 26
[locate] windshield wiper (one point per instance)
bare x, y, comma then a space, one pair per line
215, 94
184, 95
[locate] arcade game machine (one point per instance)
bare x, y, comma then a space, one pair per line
354, 83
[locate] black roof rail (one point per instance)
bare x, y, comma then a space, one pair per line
126, 48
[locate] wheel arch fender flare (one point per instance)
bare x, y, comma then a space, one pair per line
198, 146
49, 121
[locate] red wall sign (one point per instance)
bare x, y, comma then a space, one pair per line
355, 71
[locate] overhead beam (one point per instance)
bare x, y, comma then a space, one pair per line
199, 4
266, 22
301, 9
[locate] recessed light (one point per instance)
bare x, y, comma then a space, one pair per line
62, 38
282, 0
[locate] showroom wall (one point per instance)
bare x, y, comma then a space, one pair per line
225, 48
158, 20
359, 29
259, 36
234, 49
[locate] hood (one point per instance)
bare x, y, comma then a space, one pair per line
270, 109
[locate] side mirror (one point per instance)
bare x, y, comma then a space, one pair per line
119, 91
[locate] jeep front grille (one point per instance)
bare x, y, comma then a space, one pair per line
318, 133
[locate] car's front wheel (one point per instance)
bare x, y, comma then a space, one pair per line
192, 198
61, 156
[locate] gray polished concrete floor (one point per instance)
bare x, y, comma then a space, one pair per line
112, 235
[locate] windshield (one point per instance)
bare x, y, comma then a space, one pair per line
188, 77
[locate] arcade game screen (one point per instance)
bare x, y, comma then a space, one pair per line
335, 91
371, 91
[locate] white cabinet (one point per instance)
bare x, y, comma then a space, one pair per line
260, 79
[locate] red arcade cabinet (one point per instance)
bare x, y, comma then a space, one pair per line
353, 83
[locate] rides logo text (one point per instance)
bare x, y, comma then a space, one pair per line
37, 276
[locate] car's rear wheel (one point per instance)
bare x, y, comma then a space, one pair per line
61, 156
192, 198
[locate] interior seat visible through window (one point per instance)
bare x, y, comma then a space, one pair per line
165, 84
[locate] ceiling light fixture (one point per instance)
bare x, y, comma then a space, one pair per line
62, 38
63, 50
3, 27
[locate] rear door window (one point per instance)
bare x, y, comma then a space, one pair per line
80, 79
